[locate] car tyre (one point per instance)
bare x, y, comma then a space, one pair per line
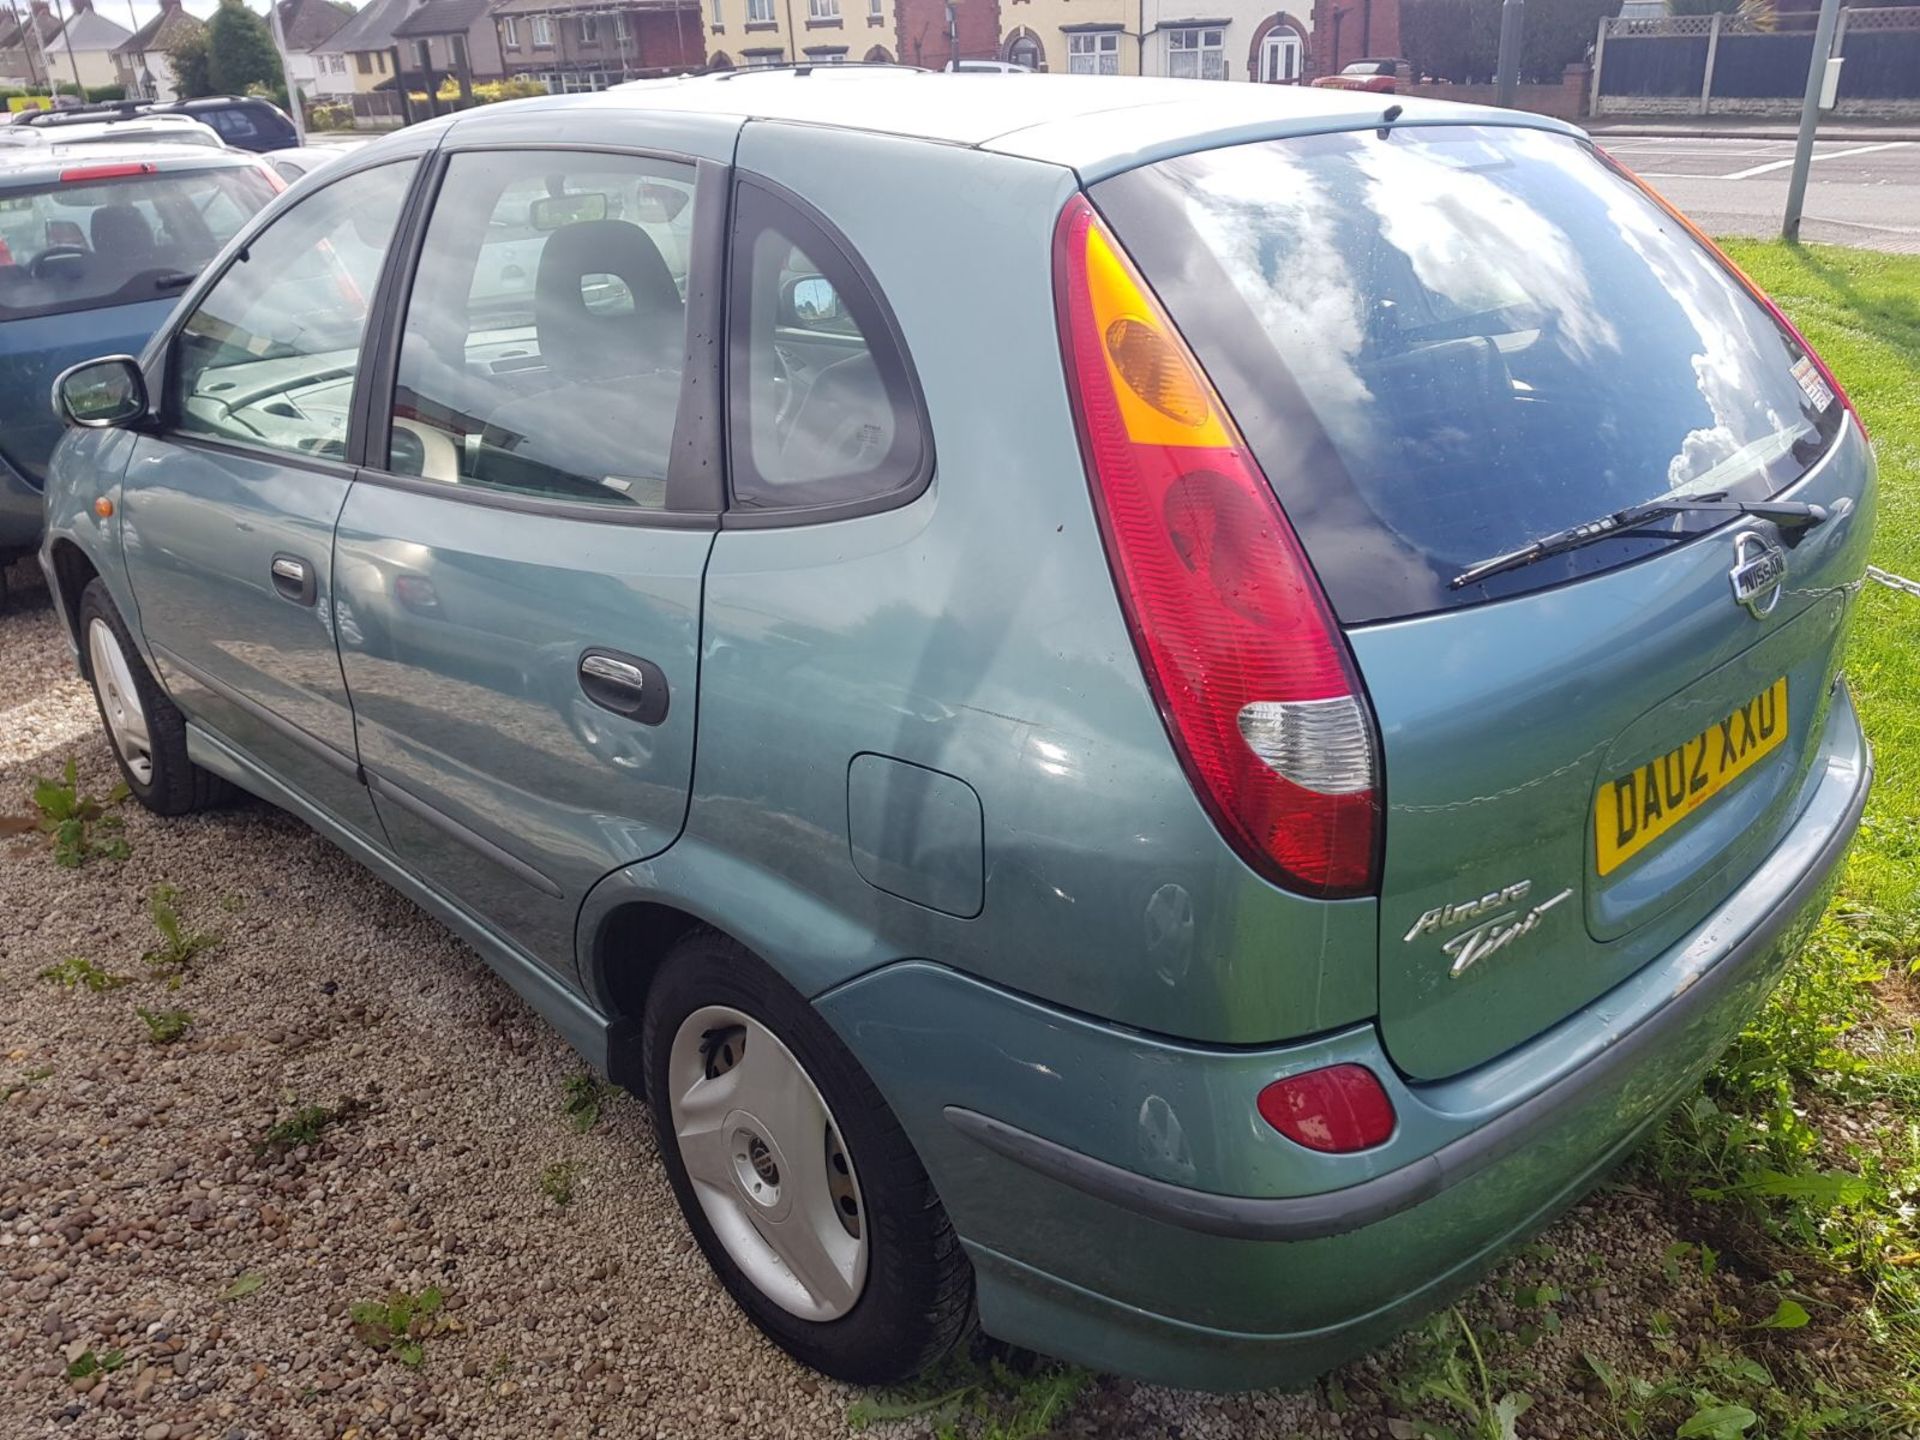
146, 730
750, 1088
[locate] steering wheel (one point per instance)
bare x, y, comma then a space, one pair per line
37, 268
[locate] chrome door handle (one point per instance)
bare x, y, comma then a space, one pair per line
617, 673
624, 684
294, 579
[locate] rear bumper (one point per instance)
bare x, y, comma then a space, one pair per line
1125, 1207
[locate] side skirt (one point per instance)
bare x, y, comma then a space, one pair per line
604, 1042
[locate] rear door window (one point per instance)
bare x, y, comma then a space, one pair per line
545, 337
1444, 342
112, 233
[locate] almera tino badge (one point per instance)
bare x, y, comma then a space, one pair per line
1506, 921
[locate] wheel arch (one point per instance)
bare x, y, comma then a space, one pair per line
633, 917
73, 569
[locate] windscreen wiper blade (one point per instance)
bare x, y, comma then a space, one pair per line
1789, 514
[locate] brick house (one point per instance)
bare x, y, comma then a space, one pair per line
1349, 30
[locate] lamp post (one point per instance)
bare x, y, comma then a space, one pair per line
1809, 119
1513, 14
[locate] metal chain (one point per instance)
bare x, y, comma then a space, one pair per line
1893, 581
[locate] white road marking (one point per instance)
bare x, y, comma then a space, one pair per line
1829, 155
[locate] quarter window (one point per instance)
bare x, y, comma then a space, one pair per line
1195, 55
546, 333
1094, 53
268, 356
823, 408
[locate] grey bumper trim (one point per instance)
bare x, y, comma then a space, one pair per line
1340, 1212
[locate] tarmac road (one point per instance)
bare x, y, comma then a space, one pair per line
1862, 192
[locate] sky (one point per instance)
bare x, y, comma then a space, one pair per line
144, 10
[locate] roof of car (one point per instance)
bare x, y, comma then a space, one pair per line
27, 164
1092, 123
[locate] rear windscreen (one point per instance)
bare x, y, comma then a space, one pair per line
1443, 342
82, 243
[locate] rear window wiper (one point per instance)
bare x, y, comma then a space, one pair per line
1790, 514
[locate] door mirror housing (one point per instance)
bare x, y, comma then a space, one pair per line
101, 394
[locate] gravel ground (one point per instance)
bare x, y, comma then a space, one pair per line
134, 1192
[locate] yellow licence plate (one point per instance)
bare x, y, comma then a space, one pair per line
1636, 809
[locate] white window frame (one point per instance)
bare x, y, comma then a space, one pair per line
1093, 52
759, 12
876, 9
823, 9
542, 32
623, 23
1281, 50
510, 32
1197, 52
589, 29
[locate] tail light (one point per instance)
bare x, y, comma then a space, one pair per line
1237, 642
1338, 1110
1727, 262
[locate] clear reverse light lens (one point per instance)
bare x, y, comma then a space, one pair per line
1320, 745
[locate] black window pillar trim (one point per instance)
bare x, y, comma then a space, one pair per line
368, 421
697, 463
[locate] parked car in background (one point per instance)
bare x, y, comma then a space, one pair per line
96, 244
987, 67
1261, 714
302, 160
241, 120
112, 127
1381, 77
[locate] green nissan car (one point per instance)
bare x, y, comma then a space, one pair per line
1157, 716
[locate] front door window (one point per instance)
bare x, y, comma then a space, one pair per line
267, 358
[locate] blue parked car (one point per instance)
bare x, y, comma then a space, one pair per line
96, 244
1160, 713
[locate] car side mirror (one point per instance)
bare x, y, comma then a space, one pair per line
809, 302
101, 394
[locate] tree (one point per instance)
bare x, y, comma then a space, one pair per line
189, 57
1558, 33
240, 50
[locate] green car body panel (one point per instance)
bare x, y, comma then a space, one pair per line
911, 759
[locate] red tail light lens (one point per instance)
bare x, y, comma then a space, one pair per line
1764, 300
1337, 1110
1238, 644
